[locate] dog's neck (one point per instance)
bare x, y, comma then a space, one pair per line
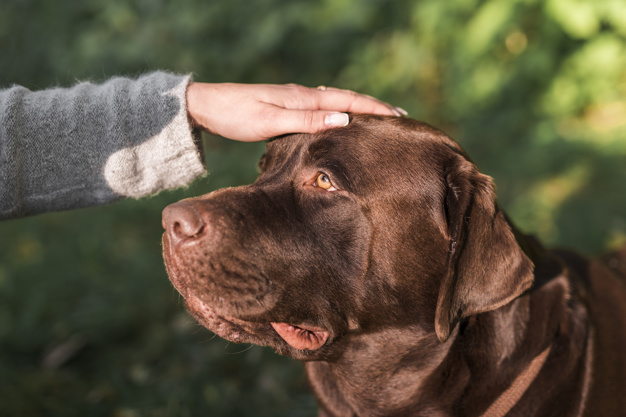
396, 374
484, 357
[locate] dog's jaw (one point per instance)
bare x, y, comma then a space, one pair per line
281, 337
296, 340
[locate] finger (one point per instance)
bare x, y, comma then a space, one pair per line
306, 121
331, 98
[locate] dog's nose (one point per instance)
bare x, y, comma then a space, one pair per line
181, 220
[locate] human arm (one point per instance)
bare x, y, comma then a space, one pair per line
93, 144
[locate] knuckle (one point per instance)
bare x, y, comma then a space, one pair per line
297, 87
308, 121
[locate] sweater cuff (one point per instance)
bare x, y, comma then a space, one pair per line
172, 158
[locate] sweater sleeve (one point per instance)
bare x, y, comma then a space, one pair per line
93, 144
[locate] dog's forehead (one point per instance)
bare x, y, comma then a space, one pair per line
384, 142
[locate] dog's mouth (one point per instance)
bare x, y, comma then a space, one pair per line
301, 337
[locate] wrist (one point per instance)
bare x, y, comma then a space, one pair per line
194, 105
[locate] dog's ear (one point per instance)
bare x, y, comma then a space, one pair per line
486, 266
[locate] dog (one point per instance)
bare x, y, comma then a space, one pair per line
377, 254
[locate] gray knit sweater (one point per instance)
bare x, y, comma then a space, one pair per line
92, 144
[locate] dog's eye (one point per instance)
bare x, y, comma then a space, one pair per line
323, 181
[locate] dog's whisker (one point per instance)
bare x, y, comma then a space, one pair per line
241, 351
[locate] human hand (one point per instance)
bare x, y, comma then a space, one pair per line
254, 112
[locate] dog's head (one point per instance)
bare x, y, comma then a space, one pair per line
382, 223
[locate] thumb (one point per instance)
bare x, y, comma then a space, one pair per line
311, 121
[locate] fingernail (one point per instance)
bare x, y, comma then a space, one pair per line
336, 120
402, 111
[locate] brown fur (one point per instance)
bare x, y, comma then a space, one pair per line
432, 303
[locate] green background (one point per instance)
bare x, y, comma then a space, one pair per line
534, 90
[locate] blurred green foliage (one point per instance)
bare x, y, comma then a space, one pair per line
89, 324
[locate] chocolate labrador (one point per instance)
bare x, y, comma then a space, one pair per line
376, 254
